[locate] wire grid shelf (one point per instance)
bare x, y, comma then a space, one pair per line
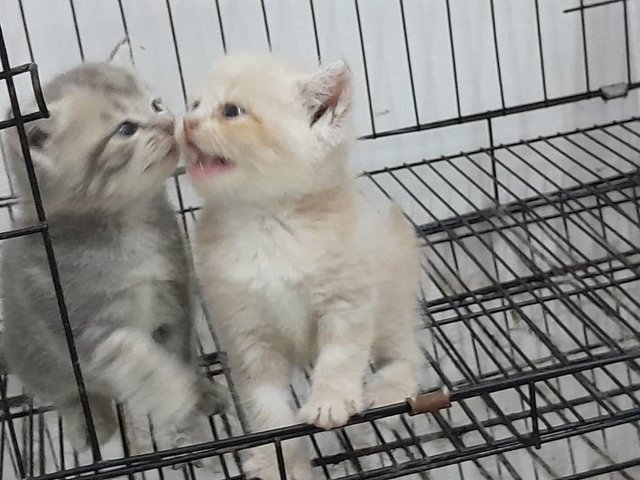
529, 307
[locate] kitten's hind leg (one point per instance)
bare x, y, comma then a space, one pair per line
104, 420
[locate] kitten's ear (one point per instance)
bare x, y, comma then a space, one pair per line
121, 54
37, 135
37, 132
326, 94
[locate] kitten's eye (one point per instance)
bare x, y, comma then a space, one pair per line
127, 129
229, 110
157, 105
195, 104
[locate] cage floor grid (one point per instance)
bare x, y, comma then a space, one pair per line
530, 313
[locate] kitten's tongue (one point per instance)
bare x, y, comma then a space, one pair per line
208, 166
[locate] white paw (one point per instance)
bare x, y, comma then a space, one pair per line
263, 464
328, 411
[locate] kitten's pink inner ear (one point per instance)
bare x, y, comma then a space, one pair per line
328, 90
340, 89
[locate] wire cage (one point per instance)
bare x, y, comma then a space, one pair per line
531, 260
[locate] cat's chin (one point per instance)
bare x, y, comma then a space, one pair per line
207, 167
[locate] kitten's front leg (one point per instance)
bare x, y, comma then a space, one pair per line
344, 337
262, 375
103, 415
140, 371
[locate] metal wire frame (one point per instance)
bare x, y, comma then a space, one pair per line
141, 463
540, 230
504, 110
549, 413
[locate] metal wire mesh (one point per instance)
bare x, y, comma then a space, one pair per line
529, 299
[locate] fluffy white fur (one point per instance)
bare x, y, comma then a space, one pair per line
296, 268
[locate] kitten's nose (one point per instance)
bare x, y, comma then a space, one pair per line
189, 125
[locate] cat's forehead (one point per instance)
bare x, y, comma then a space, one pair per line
103, 79
247, 76
83, 111
87, 101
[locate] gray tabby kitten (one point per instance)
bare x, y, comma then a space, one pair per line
101, 161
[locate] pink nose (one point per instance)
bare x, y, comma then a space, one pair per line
190, 124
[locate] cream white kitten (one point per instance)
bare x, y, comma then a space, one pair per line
296, 269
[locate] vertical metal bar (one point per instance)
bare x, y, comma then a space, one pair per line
494, 166
315, 31
51, 448
366, 69
2, 445
53, 266
541, 51
77, 29
124, 439
26, 30
533, 405
242, 417
453, 59
266, 24
41, 444
280, 458
5, 407
408, 52
125, 27
154, 443
611, 276
497, 52
61, 442
222, 37
626, 40
183, 215
24, 435
584, 46
533, 254
177, 51
29, 438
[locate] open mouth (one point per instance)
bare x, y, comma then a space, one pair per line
209, 165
